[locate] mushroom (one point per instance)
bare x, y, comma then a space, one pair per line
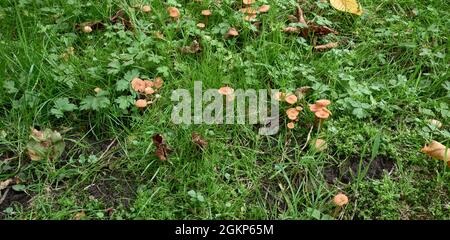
141, 103
264, 8
248, 2
97, 90
149, 83
146, 8
201, 25
232, 32
320, 110
340, 199
320, 145
158, 83
250, 17
435, 123
291, 125
138, 85
279, 96
291, 98
87, 29
173, 12
226, 91
206, 13
292, 113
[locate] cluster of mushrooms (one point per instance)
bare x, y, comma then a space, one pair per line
319, 108
146, 90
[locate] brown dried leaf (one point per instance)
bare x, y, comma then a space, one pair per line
162, 149
197, 139
120, 17
193, 48
79, 215
326, 46
438, 151
6, 183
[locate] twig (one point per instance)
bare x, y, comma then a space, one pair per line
107, 148
4, 196
308, 138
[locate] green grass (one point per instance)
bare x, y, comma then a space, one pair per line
387, 79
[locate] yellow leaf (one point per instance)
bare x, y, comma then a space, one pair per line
351, 6
438, 151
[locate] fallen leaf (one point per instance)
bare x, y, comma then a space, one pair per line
162, 149
79, 215
193, 48
350, 6
45, 144
326, 46
197, 139
120, 17
438, 151
6, 183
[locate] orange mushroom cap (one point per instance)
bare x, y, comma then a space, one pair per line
141, 103
340, 199
323, 102
206, 12
173, 12
292, 113
322, 114
148, 83
248, 2
226, 91
250, 17
138, 85
264, 8
291, 125
158, 83
291, 98
233, 32
146, 8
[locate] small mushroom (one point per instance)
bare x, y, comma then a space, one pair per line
97, 90
146, 8
264, 8
340, 200
201, 25
226, 91
173, 12
291, 98
141, 103
320, 111
279, 96
320, 145
138, 85
87, 29
292, 113
149, 83
435, 123
206, 12
158, 83
291, 125
232, 32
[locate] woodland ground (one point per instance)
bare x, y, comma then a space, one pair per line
387, 78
